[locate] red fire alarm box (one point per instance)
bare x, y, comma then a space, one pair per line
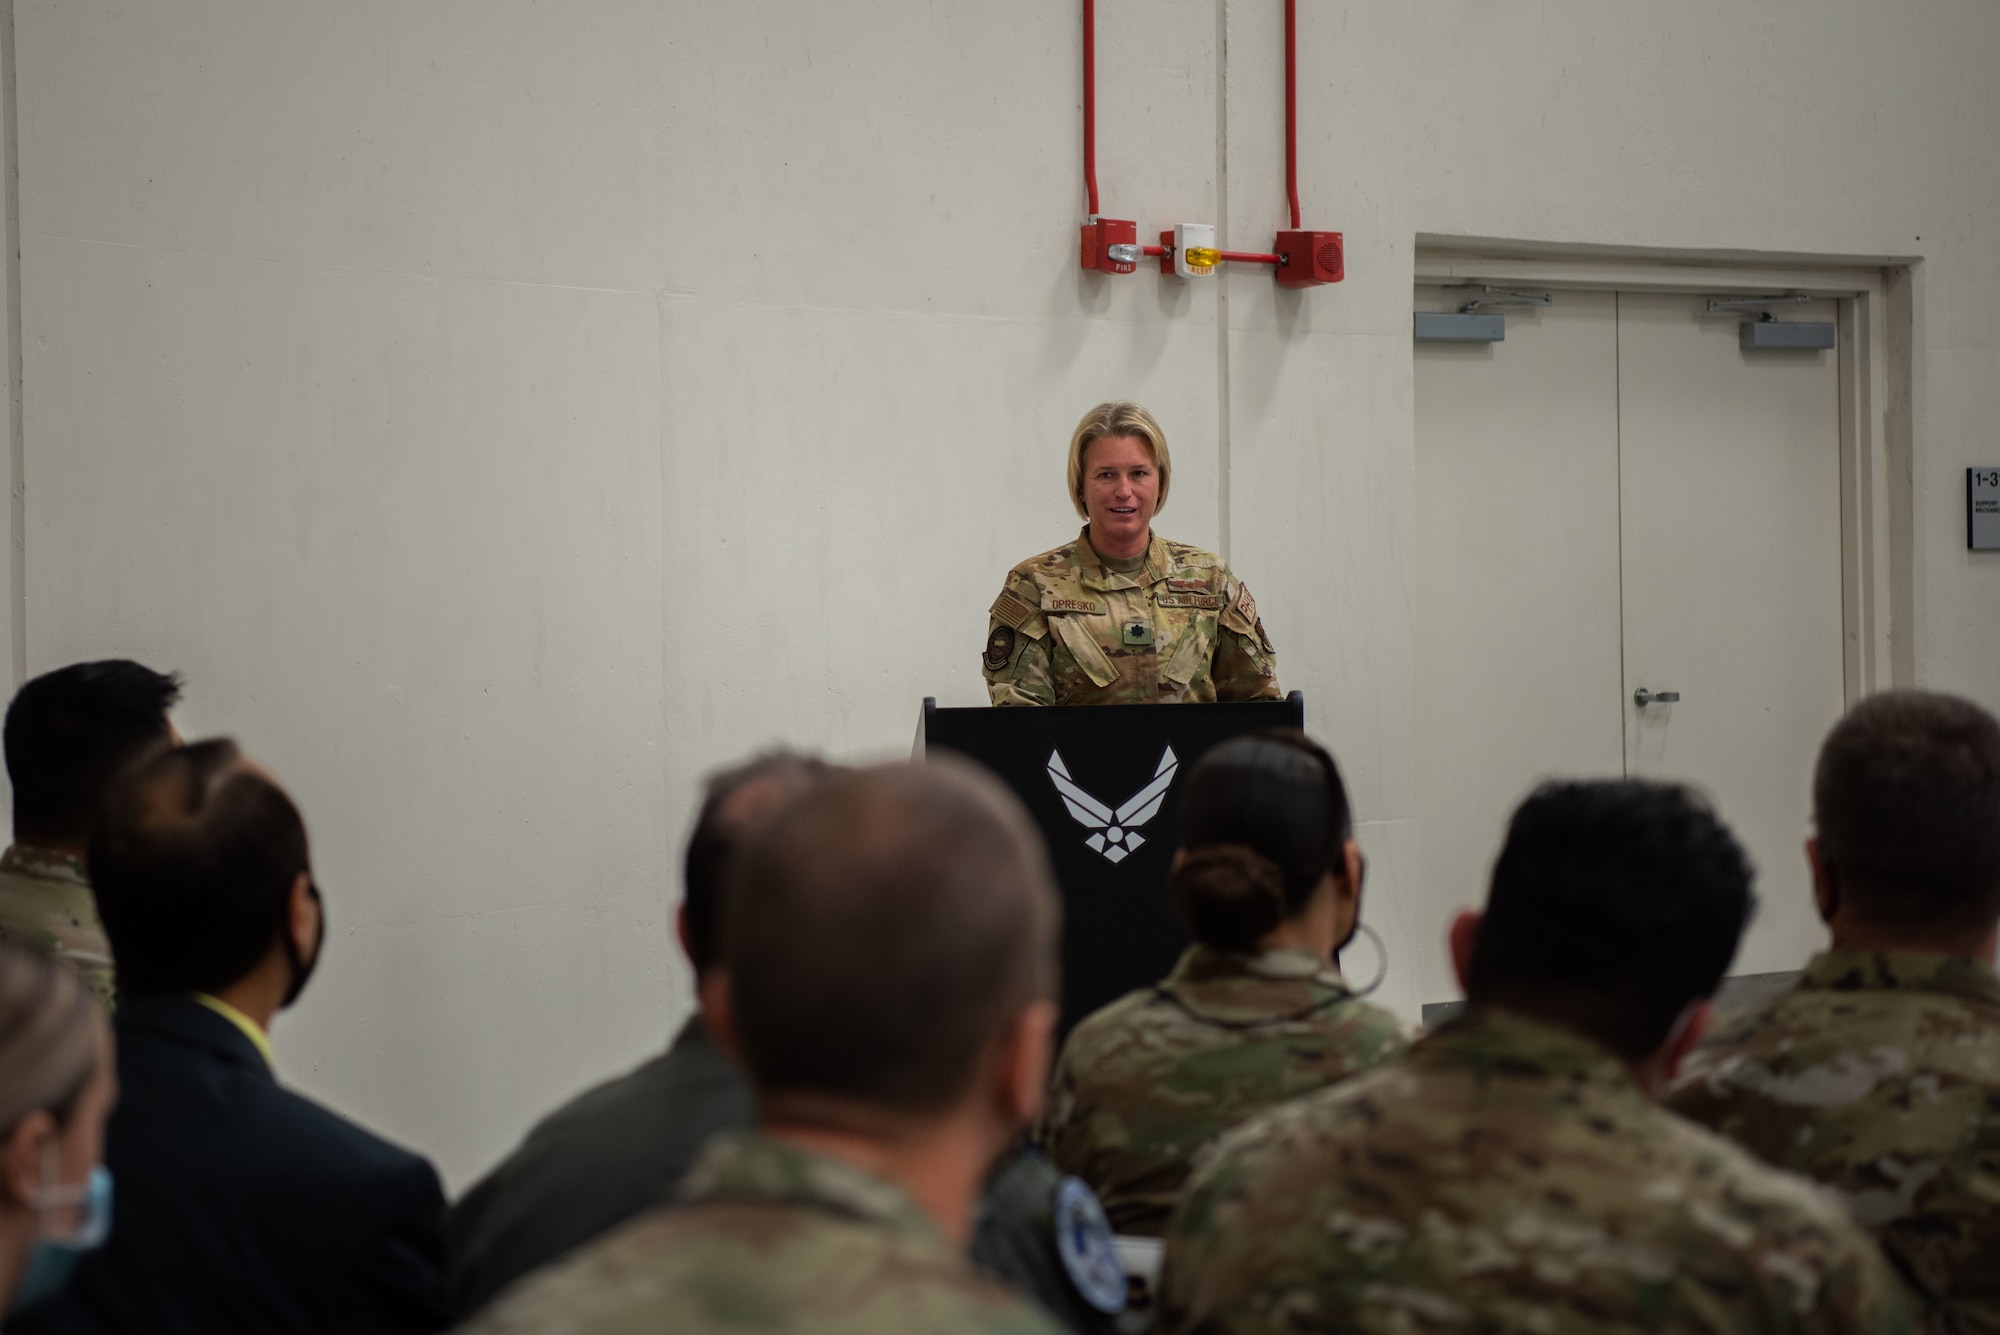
1099, 235
1307, 259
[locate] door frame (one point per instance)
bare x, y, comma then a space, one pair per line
1875, 368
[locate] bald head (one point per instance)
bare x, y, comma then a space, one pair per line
882, 930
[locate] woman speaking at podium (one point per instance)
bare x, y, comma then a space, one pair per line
1121, 616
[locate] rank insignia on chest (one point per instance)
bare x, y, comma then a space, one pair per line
1136, 632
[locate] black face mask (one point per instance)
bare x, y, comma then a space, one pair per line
302, 970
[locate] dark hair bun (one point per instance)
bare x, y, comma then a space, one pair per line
1229, 896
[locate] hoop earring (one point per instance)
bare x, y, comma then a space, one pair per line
1381, 956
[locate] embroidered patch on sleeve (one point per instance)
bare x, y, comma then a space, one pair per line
1000, 647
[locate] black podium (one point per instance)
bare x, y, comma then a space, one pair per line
1103, 782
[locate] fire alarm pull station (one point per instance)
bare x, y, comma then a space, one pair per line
1982, 509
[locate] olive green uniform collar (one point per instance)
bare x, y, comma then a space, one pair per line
1098, 575
1233, 989
1900, 971
748, 1168
27, 860
1492, 1042
1201, 963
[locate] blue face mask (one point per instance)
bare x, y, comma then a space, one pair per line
53, 1260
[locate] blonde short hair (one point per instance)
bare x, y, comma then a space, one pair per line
50, 1035
1112, 420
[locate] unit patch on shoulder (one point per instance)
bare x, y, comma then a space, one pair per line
1241, 614
1083, 1241
1000, 647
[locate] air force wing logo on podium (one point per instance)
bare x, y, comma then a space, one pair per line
1117, 831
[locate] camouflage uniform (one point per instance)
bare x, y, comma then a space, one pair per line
1879, 1077
770, 1239
1509, 1176
1070, 630
1145, 1082
46, 904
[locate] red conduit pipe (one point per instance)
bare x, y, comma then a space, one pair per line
1090, 103
1291, 109
1231, 256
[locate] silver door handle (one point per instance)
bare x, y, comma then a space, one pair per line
1643, 697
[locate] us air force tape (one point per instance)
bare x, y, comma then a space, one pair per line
1083, 1240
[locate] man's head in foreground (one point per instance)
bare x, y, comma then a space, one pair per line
735, 800
888, 973
68, 734
1906, 805
202, 875
1615, 907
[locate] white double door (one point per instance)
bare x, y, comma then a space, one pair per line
1619, 497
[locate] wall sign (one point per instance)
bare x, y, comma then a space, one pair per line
1982, 509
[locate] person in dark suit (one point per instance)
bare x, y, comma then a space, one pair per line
623, 1147
241, 1206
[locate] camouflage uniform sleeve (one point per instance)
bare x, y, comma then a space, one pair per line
1215, 1274
1246, 666
1812, 1263
99, 975
1017, 664
1864, 1295
69, 931
1056, 1132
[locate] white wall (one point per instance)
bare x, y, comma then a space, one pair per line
506, 412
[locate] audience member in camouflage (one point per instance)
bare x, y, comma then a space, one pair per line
68, 735
1071, 628
1153, 1077
1509, 1176
46, 905
769, 1238
886, 982
1878, 1074
1513, 1172
1879, 1077
1122, 616
1268, 882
